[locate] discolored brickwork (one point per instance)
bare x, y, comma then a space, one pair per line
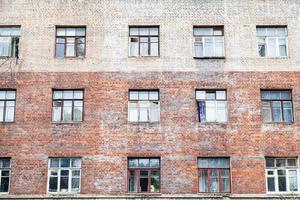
105, 138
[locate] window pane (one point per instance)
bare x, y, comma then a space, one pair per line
199, 48
10, 95
208, 47
5, 163
134, 47
133, 112
271, 184
65, 162
272, 47
144, 181
56, 114
60, 50
67, 111
153, 31
203, 162
133, 181
210, 95
77, 113
221, 95
153, 95
267, 116
154, 49
261, 31
70, 52
154, 187
213, 163
54, 162
53, 183
282, 183
75, 184
288, 114
270, 162
78, 94
133, 31
292, 162
57, 94
80, 31
60, 31
214, 182
282, 47
219, 46
280, 162
70, 31
144, 163
286, 95
277, 114
203, 31
154, 163
144, 31
225, 180
293, 183
210, 111
223, 163
200, 94
133, 163
2, 94
5, 46
9, 114
4, 184
144, 49
64, 184
154, 112
221, 111
80, 50
203, 181
76, 162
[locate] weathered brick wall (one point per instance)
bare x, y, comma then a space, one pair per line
107, 24
105, 139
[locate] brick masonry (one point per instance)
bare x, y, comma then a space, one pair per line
105, 139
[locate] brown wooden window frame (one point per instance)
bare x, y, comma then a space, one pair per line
62, 100
139, 36
149, 170
5, 101
281, 100
76, 38
219, 177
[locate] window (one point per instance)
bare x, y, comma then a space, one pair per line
143, 106
4, 174
7, 105
9, 41
282, 174
212, 105
209, 42
64, 175
70, 42
144, 175
144, 41
214, 175
272, 41
67, 106
277, 106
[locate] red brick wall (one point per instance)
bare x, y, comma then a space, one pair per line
105, 139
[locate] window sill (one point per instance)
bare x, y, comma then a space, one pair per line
278, 123
62, 123
143, 123
70, 58
4, 123
143, 57
63, 193
217, 58
144, 193
280, 58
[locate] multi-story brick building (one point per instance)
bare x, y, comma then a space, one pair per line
169, 98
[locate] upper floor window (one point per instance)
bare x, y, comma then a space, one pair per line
272, 41
9, 41
209, 42
67, 105
277, 105
214, 174
282, 174
212, 105
143, 106
4, 174
70, 42
144, 41
64, 175
144, 175
7, 105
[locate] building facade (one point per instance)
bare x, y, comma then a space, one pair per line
149, 99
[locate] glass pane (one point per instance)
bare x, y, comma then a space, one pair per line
60, 50
133, 31
153, 31
78, 94
144, 31
10, 94
280, 162
53, 183
143, 95
67, 112
133, 163
144, 49
208, 47
54, 162
288, 114
221, 95
154, 187
2, 94
144, 163
133, 95
133, 112
70, 31
271, 31
80, 31
65, 162
4, 184
5, 163
154, 163
214, 182
270, 162
70, 52
223, 163
144, 181
213, 163
293, 183
57, 95
199, 49
282, 47
275, 95
219, 46
210, 111
1, 112
5, 46
134, 47
154, 112
9, 114
281, 32
133, 181
75, 184
76, 162
203, 31
80, 50
64, 184
277, 114
77, 113
267, 115
203, 162
221, 111
282, 184
60, 31
272, 47
210, 95
154, 49
271, 184
143, 115
203, 180
286, 95
225, 185
261, 31
56, 114
200, 94
292, 162
5, 173
153, 95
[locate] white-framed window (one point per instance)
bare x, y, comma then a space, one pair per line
7, 105
64, 175
9, 41
212, 105
4, 175
282, 175
67, 105
272, 41
143, 106
144, 41
209, 42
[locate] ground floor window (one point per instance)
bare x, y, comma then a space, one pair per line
214, 175
282, 174
144, 175
64, 175
4, 174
